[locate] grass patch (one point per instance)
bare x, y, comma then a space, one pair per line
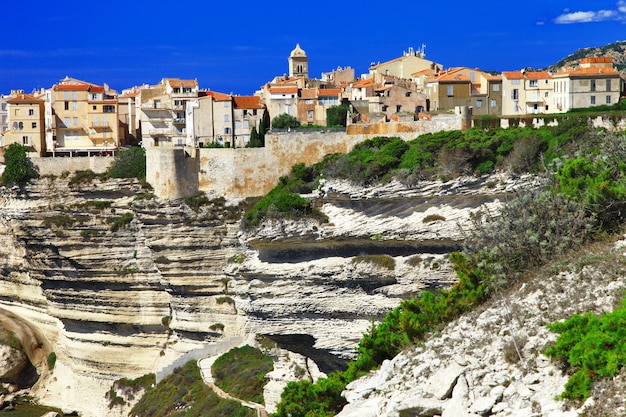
241, 372
83, 177
184, 394
122, 222
382, 261
225, 300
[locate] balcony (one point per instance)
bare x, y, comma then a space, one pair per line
180, 121
161, 131
100, 125
185, 94
154, 107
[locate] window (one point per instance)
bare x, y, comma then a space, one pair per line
75, 120
66, 95
309, 114
227, 130
177, 89
73, 95
479, 104
515, 82
496, 87
515, 106
546, 94
254, 112
593, 85
450, 91
407, 94
246, 124
108, 109
308, 101
31, 112
95, 121
66, 121
17, 112
16, 126
608, 99
34, 125
26, 140
515, 94
533, 83
398, 108
67, 105
546, 107
593, 99
493, 103
74, 105
288, 108
94, 107
186, 89
237, 124
227, 118
608, 85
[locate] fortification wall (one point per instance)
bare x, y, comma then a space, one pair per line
243, 172
59, 165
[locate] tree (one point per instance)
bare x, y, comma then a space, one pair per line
336, 116
263, 125
129, 163
285, 121
19, 168
255, 140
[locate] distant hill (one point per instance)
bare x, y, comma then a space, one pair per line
616, 50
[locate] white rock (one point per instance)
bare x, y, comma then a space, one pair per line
366, 408
423, 407
440, 384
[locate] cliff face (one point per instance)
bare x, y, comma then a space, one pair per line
121, 284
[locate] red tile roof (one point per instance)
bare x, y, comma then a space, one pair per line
582, 72
329, 92
176, 82
219, 96
513, 75
248, 102
283, 90
24, 98
597, 60
538, 75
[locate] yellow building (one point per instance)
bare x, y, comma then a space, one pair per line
25, 119
86, 118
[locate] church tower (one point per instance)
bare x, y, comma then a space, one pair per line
298, 63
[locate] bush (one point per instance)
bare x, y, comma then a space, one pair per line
592, 346
121, 222
336, 116
129, 163
19, 168
241, 372
82, 177
285, 121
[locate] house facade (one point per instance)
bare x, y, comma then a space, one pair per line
461, 86
594, 82
26, 121
162, 111
85, 118
527, 92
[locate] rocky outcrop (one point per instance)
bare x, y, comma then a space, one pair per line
102, 269
491, 361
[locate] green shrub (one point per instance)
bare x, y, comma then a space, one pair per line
285, 121
217, 327
59, 221
241, 372
129, 163
122, 222
197, 200
52, 360
185, 390
593, 347
19, 169
83, 177
225, 300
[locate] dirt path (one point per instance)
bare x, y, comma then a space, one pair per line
205, 370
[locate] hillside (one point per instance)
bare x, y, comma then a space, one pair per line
615, 50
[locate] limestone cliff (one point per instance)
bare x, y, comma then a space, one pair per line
122, 284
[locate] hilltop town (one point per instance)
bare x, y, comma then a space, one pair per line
79, 118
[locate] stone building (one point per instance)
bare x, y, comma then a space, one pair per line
26, 122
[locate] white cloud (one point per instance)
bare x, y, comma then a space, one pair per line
619, 14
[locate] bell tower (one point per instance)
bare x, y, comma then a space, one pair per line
298, 63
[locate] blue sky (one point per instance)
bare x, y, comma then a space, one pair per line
237, 46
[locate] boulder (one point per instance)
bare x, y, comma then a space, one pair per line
442, 382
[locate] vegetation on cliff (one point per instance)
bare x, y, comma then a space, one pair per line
241, 373
583, 197
184, 393
129, 163
19, 169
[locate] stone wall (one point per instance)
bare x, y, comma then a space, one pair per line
242, 172
59, 165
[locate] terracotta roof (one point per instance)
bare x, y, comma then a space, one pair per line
283, 90
491, 77
24, 98
329, 92
513, 75
131, 94
219, 96
363, 83
248, 102
451, 75
175, 82
426, 71
72, 87
597, 60
581, 72
538, 75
